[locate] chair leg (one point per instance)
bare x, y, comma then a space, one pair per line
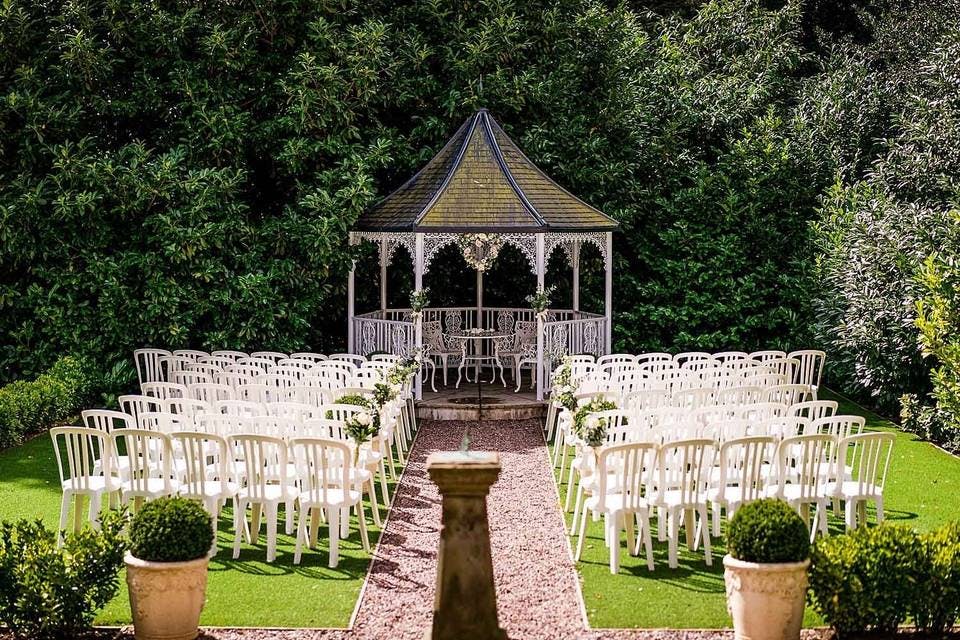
611, 522
78, 512
716, 518
878, 501
315, 517
239, 525
570, 478
345, 522
582, 534
674, 538
374, 507
384, 490
362, 520
706, 536
576, 509
64, 515
333, 518
94, 512
288, 517
628, 526
689, 529
271, 514
850, 515
647, 539
301, 533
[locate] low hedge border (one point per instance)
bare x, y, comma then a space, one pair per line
29, 406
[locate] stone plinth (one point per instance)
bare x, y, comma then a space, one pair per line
465, 605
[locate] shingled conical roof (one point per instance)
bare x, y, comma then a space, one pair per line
481, 181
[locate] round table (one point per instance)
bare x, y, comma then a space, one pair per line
474, 351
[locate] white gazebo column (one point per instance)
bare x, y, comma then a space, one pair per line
608, 303
384, 257
479, 298
350, 299
418, 286
575, 263
540, 271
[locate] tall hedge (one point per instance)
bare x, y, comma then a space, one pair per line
179, 173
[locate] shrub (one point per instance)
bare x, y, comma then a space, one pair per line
171, 530
939, 611
51, 593
869, 579
29, 406
768, 531
353, 398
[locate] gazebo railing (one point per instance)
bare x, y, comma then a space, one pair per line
375, 333
565, 332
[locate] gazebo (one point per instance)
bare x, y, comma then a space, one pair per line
481, 183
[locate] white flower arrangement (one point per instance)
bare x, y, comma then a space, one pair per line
480, 250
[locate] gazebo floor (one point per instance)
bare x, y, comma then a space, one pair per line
491, 401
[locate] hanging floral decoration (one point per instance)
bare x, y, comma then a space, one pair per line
480, 250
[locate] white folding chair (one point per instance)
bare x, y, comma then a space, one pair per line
163, 390
862, 464
206, 476
803, 466
810, 370
150, 456
147, 362
814, 409
741, 476
685, 467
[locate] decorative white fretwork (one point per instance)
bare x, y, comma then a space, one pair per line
527, 244
590, 344
391, 239
432, 243
567, 240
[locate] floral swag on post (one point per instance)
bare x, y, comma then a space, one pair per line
480, 250
565, 387
540, 301
419, 299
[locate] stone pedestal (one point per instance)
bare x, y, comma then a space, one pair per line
465, 605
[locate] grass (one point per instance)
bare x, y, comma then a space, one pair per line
923, 491
240, 593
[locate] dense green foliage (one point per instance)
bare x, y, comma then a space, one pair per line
28, 406
171, 530
184, 174
878, 230
768, 531
54, 593
876, 578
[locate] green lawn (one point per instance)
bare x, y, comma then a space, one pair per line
243, 592
923, 490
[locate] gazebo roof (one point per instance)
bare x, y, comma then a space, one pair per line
481, 181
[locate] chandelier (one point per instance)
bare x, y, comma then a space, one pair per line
480, 250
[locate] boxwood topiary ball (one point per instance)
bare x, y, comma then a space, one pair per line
768, 531
171, 530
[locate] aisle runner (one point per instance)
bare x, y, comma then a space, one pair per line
536, 583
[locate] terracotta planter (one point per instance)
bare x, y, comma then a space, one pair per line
765, 600
166, 598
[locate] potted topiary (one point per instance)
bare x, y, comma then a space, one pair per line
766, 570
170, 543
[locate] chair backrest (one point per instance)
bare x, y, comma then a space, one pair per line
742, 465
505, 321
254, 393
263, 364
653, 356
212, 370
308, 355
730, 356
341, 412
164, 422
297, 411
353, 358
724, 430
134, 405
626, 471
322, 427
785, 367
780, 428
186, 407
323, 466
790, 394
234, 379
276, 426
810, 370
691, 356
526, 331
839, 426
211, 392
313, 395
187, 378
741, 395
169, 364
163, 390
147, 362
344, 367
814, 409
805, 462
222, 362
616, 357
452, 320
205, 457
365, 378
264, 460
106, 421
228, 353
388, 358
764, 380
699, 365
762, 411
276, 356
193, 354
239, 408
867, 456
620, 426
770, 354
149, 455
82, 454
694, 398
685, 467
223, 424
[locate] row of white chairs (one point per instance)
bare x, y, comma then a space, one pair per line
304, 474
685, 478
